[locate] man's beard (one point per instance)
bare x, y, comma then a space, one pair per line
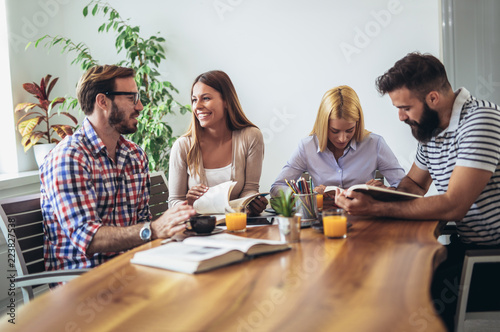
427, 127
117, 120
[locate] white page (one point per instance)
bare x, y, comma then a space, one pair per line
215, 200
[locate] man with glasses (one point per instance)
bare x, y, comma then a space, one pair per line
95, 183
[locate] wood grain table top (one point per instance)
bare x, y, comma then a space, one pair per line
377, 279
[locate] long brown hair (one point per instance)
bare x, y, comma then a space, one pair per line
235, 117
341, 102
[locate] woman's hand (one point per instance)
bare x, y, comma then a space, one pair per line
320, 189
376, 183
257, 206
195, 193
330, 195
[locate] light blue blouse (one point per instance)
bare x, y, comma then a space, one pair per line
357, 165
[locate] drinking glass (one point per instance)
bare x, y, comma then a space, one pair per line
335, 224
236, 219
319, 201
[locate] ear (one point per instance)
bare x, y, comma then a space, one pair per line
101, 101
432, 98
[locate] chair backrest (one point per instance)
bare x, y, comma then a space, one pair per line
476, 319
22, 227
158, 202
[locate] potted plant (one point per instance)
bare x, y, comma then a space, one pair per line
288, 220
145, 56
35, 126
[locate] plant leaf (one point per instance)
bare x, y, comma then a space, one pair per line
32, 88
29, 140
51, 86
62, 130
70, 116
26, 127
24, 106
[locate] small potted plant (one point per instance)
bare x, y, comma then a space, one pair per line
288, 220
35, 124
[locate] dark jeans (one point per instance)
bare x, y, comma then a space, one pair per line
484, 294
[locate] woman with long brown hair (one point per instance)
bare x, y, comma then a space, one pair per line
220, 145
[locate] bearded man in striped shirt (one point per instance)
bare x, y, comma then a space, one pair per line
458, 150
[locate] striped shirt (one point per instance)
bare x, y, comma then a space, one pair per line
472, 139
82, 188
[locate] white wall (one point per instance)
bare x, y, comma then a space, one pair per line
281, 55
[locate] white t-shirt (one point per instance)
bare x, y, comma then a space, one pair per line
215, 176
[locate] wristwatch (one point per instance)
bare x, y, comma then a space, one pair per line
146, 232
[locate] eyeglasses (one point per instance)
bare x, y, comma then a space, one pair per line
121, 93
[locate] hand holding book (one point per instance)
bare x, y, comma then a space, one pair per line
217, 198
378, 193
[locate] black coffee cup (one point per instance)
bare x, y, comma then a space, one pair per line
201, 224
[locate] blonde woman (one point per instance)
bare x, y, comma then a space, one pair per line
339, 151
221, 144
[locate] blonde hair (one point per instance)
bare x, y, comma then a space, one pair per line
235, 117
341, 102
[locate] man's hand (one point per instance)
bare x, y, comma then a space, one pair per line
355, 203
172, 221
257, 205
195, 193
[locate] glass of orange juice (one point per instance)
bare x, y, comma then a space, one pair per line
319, 201
236, 219
335, 224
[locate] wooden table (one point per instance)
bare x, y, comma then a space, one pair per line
378, 279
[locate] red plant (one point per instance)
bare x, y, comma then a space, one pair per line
42, 114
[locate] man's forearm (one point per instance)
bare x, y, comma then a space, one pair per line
410, 186
111, 239
438, 207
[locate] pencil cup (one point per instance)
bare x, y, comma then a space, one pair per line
289, 228
335, 224
236, 219
306, 205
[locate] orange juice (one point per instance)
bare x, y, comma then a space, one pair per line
236, 221
335, 226
319, 201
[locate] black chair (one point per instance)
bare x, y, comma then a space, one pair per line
22, 228
158, 202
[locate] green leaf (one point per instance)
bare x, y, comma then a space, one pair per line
94, 10
85, 11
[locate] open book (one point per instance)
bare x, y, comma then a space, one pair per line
378, 193
216, 199
200, 254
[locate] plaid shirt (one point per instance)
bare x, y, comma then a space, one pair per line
82, 188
